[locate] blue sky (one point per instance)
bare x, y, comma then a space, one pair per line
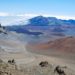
15, 10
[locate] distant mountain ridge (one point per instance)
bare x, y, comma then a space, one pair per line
43, 21
40, 23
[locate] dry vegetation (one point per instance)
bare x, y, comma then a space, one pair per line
36, 67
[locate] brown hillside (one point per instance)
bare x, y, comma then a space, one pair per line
63, 44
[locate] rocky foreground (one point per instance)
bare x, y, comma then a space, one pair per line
41, 65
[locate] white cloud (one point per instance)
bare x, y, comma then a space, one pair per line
4, 14
59, 17
65, 17
27, 15
7, 14
46, 15
33, 15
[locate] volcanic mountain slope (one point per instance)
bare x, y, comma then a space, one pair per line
66, 44
10, 41
12, 46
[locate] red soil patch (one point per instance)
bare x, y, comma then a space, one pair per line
63, 44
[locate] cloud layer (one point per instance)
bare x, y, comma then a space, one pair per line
4, 14
8, 18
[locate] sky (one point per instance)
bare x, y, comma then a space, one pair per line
12, 11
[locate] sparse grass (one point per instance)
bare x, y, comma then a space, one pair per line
25, 69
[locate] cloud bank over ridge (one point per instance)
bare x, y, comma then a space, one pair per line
8, 18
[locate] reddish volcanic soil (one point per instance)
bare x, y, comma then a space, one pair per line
66, 44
